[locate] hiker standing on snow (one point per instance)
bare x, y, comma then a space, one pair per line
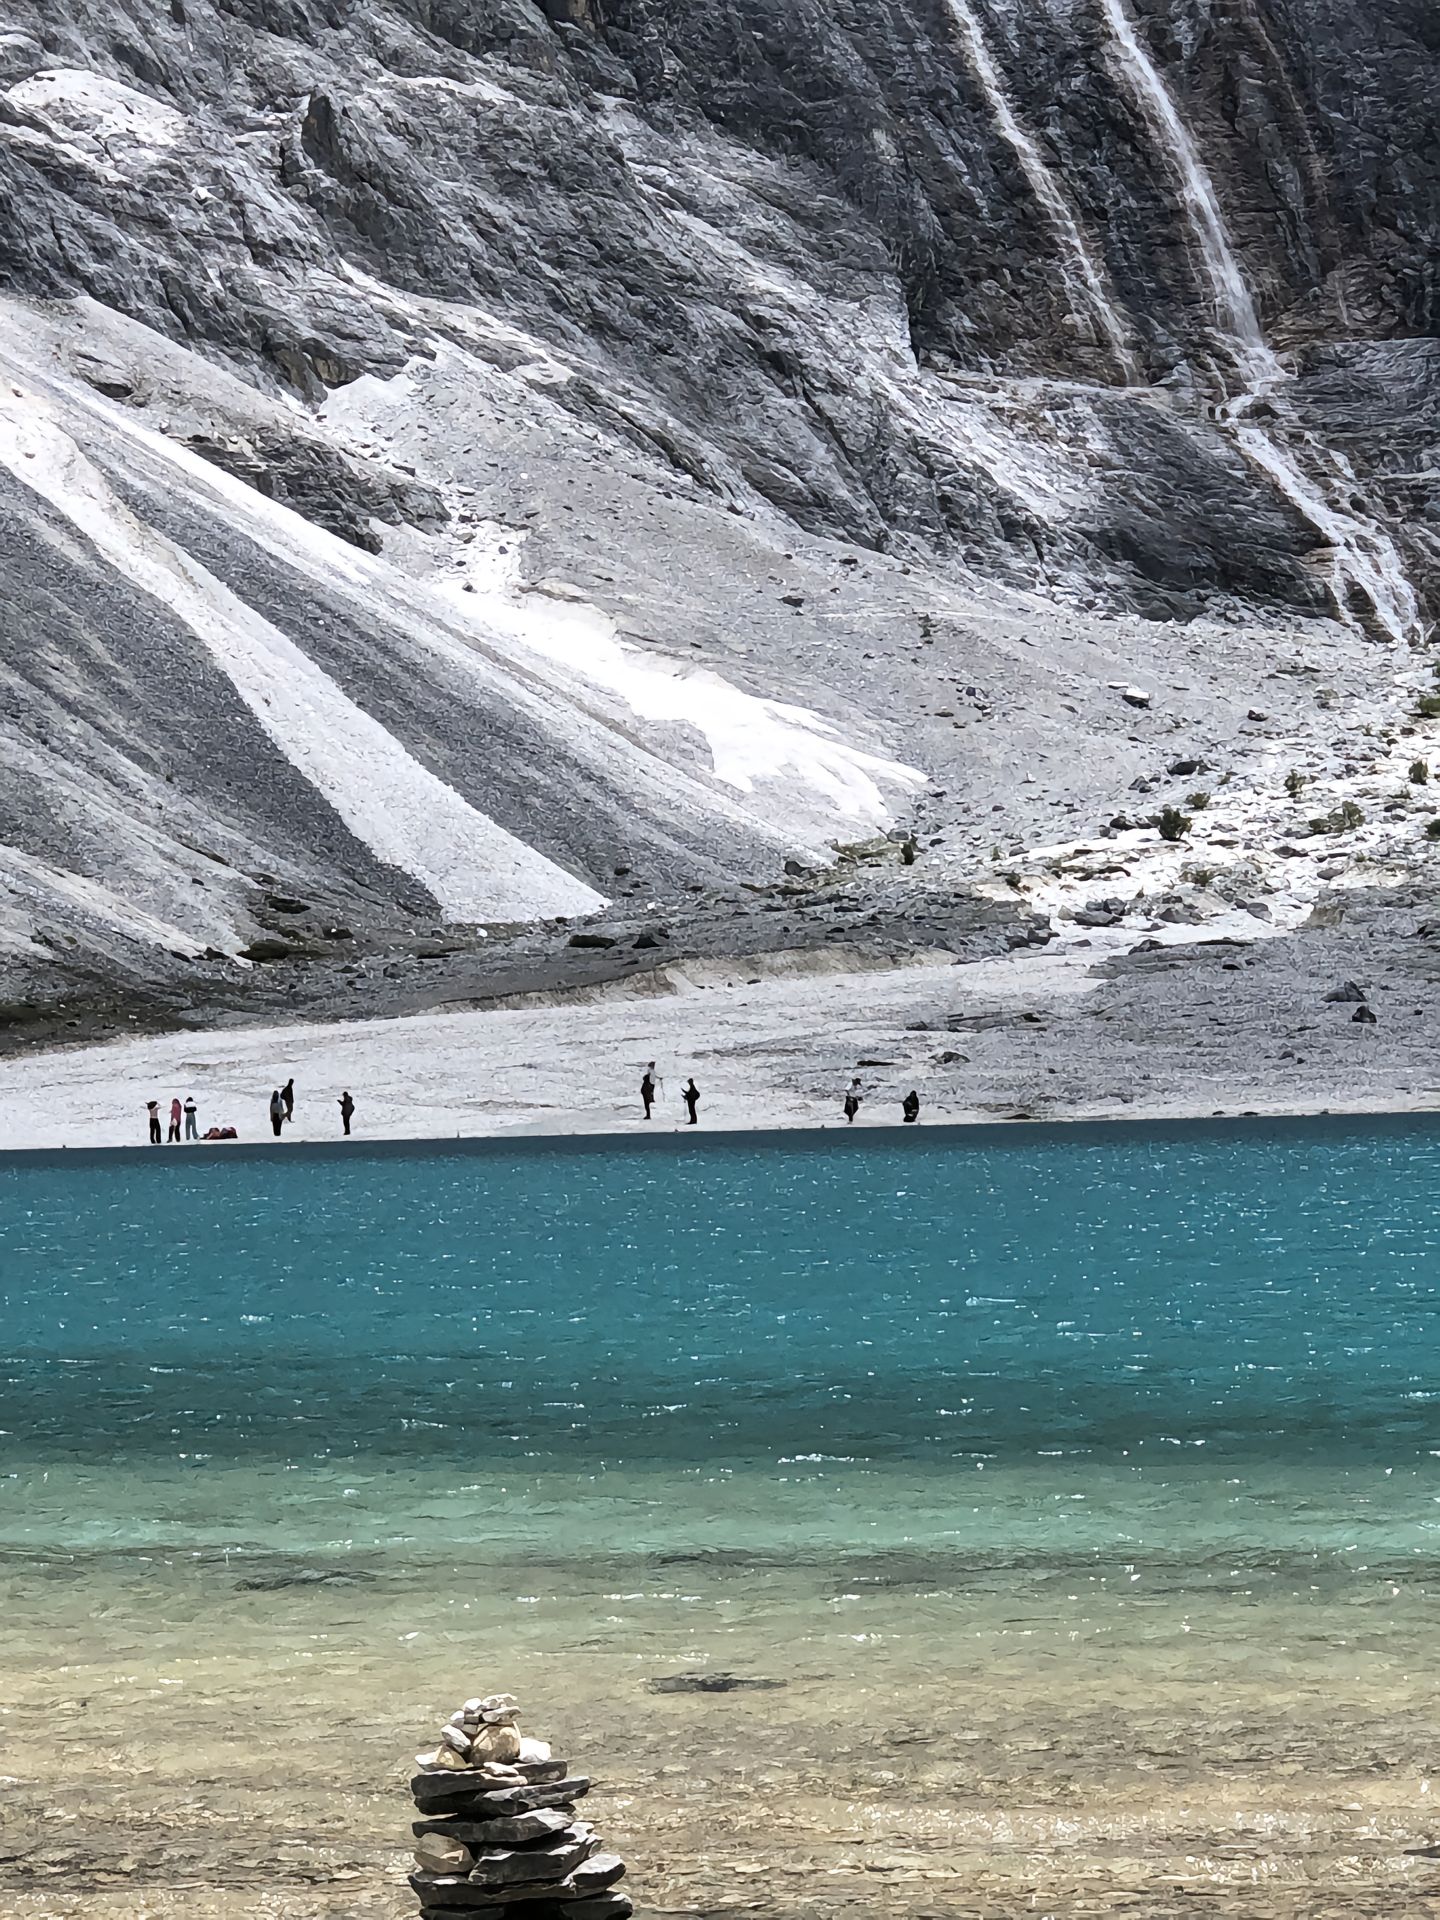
191, 1132
347, 1107
173, 1137
691, 1097
287, 1094
277, 1112
647, 1087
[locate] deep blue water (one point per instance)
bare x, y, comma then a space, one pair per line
1265, 1292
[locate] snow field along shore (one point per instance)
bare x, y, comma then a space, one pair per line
551, 1069
1043, 1035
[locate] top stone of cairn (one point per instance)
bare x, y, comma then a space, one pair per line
482, 1754
482, 1733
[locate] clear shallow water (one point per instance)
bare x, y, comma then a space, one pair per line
1080, 1486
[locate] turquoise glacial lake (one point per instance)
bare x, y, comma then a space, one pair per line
795, 1341
1050, 1445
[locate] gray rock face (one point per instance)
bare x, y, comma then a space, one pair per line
595, 1877
502, 1867
798, 339
521, 1829
442, 1792
935, 164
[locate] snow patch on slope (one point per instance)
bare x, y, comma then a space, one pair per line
753, 742
100, 118
403, 812
568, 710
790, 761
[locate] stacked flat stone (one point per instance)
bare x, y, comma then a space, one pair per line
497, 1833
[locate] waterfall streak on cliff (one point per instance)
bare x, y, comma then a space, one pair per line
1234, 308
1084, 279
1363, 557
1364, 561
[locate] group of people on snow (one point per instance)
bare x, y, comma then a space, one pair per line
281, 1109
152, 1109
187, 1112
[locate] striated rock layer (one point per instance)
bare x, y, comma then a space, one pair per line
470, 463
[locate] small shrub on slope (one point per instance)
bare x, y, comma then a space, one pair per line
1173, 824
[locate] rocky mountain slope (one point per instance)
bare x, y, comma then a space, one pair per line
466, 465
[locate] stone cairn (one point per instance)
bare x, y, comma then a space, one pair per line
497, 1829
